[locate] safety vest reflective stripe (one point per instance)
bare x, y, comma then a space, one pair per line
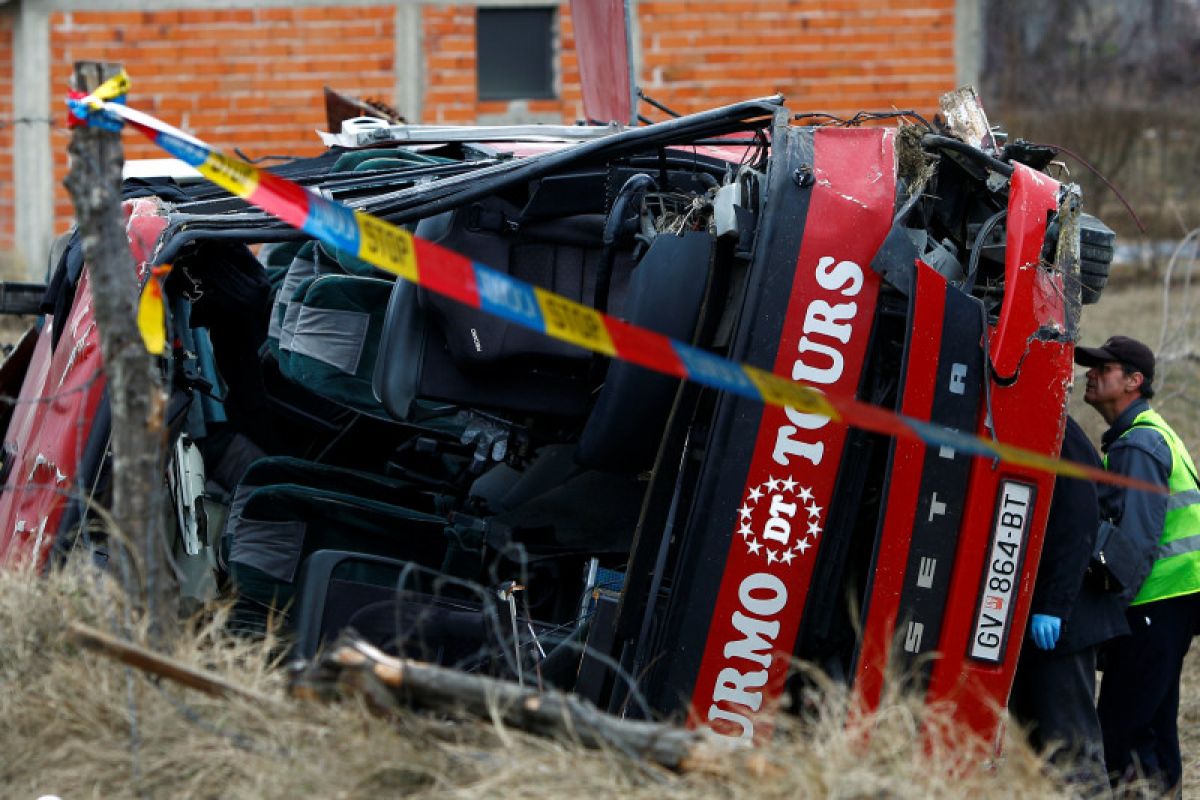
1186, 498
1176, 569
1177, 547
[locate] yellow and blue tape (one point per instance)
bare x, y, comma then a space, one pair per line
395, 250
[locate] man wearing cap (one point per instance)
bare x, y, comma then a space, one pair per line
1148, 549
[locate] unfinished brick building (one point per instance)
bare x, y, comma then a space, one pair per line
248, 74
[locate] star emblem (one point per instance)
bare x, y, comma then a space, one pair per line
755, 514
802, 546
813, 528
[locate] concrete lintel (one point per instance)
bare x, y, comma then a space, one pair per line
176, 5
172, 5
520, 3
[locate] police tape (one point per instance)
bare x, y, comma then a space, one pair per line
395, 250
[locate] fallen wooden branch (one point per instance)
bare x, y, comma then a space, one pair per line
357, 668
154, 663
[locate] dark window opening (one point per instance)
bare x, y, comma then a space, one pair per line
515, 53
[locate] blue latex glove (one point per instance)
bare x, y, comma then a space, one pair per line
1045, 630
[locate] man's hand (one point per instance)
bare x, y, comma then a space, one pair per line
1044, 629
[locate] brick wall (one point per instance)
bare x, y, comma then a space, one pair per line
252, 78
248, 78
451, 94
839, 56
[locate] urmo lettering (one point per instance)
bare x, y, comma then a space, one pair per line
760, 597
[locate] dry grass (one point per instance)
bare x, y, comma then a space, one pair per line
1136, 309
78, 725
1189, 721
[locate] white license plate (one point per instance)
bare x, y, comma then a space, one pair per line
1013, 511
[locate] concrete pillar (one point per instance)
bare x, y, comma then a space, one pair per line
33, 173
968, 42
636, 61
409, 61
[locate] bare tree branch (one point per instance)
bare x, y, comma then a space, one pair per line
134, 389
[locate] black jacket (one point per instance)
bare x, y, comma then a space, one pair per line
1090, 615
1135, 518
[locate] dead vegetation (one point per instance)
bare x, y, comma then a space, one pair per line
1161, 311
1164, 312
78, 725
1110, 81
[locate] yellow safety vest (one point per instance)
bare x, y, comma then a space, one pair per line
1176, 568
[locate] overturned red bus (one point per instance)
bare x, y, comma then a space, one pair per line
349, 449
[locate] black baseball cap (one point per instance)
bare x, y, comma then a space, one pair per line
1121, 349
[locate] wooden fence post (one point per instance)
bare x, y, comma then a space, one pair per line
135, 393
